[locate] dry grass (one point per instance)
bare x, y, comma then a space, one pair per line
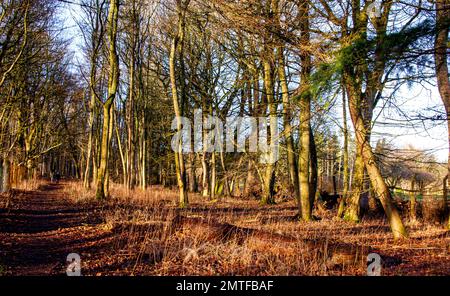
144, 233
31, 184
148, 241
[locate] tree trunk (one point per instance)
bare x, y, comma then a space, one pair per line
205, 175
213, 176
113, 82
225, 175
445, 193
314, 193
412, 196
110, 136
92, 110
121, 154
373, 171
441, 56
177, 47
269, 179
352, 212
305, 117
191, 172
130, 174
249, 180
346, 179
287, 118
6, 180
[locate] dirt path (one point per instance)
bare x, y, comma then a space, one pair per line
40, 228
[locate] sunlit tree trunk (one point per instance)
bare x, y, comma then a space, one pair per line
205, 175
213, 176
177, 47
287, 117
314, 193
269, 179
110, 136
441, 59
352, 211
373, 171
6, 180
345, 165
305, 116
102, 182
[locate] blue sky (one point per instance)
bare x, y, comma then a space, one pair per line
427, 136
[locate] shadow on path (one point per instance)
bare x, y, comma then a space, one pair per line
42, 227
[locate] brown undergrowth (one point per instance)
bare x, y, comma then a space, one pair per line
144, 233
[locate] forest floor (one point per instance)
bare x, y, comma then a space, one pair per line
39, 228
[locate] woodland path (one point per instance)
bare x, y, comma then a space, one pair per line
40, 228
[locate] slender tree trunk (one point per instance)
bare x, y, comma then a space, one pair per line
113, 82
122, 156
412, 196
205, 175
314, 171
269, 180
6, 179
352, 212
304, 161
305, 116
346, 179
191, 172
92, 110
177, 47
287, 117
95, 42
373, 171
95, 161
445, 193
110, 136
213, 176
249, 180
130, 174
441, 59
225, 177
1, 175
144, 162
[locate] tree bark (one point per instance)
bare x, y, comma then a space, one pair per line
441, 56
130, 174
305, 116
96, 42
346, 179
269, 179
352, 212
113, 81
412, 196
287, 117
177, 47
6, 171
373, 171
